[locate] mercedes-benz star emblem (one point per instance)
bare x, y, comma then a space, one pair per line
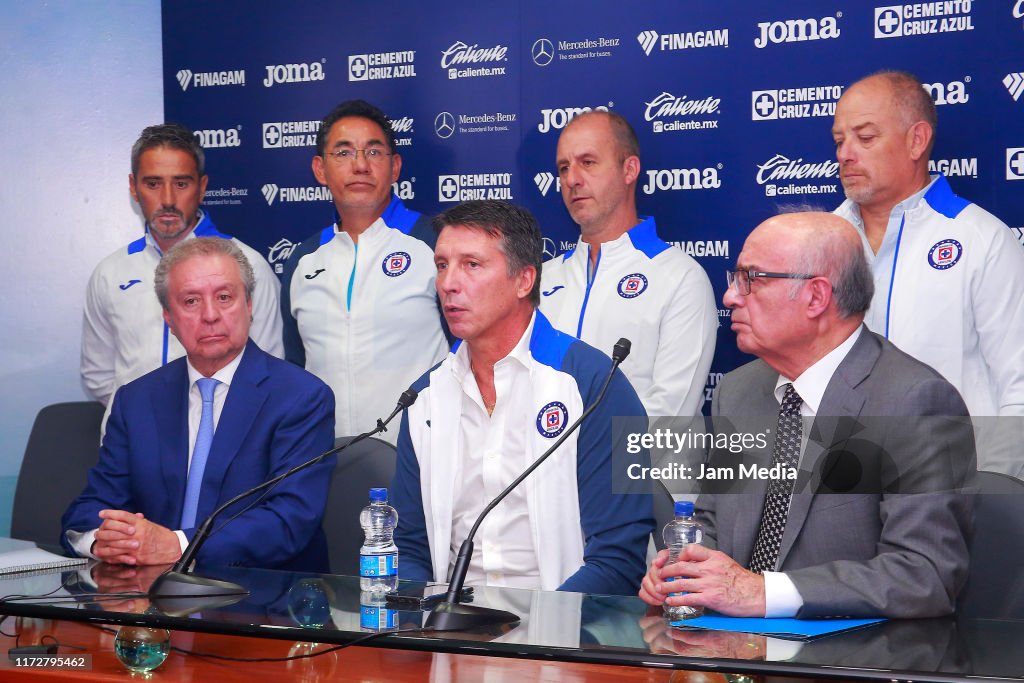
542, 52
444, 125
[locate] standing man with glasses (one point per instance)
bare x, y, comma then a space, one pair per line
358, 300
889, 548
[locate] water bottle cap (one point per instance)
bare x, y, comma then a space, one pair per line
378, 495
684, 508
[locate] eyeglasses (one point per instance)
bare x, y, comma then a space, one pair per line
743, 278
371, 154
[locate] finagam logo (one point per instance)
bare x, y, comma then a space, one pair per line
965, 167
378, 66
673, 179
795, 103
462, 188
460, 55
314, 193
209, 79
209, 139
797, 30
923, 18
557, 119
669, 106
778, 174
718, 37
294, 73
544, 180
1014, 83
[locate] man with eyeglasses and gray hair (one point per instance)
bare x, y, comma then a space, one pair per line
872, 547
358, 300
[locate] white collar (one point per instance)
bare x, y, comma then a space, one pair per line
224, 375
813, 381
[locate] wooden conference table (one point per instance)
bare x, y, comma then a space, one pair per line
561, 637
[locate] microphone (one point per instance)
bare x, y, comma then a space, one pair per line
178, 583
451, 615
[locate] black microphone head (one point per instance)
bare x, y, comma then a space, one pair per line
407, 398
621, 350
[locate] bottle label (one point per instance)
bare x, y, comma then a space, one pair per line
377, 618
378, 565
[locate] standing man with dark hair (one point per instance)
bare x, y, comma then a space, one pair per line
896, 544
123, 332
186, 438
492, 407
948, 274
622, 277
358, 299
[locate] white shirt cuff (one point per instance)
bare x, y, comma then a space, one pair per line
183, 541
781, 598
81, 542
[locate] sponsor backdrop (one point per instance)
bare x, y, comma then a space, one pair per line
732, 102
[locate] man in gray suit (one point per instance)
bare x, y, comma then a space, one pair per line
798, 299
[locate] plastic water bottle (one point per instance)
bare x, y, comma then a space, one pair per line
679, 533
378, 558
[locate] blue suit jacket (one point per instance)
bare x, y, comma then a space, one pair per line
275, 417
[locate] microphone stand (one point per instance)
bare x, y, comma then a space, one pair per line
171, 591
451, 614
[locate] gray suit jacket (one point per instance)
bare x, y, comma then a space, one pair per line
877, 550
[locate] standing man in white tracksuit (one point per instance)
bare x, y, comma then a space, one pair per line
124, 335
622, 279
948, 274
358, 300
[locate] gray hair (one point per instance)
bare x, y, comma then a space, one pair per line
843, 263
521, 239
173, 136
201, 246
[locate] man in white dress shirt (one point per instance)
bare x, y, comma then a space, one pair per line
501, 398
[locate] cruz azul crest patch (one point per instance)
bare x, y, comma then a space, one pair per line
396, 263
944, 255
552, 419
632, 286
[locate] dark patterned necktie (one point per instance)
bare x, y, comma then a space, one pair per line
776, 504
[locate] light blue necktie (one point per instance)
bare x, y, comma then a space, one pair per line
202, 449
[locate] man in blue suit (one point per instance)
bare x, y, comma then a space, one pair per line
189, 436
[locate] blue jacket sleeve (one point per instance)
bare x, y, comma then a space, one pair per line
108, 485
616, 526
411, 535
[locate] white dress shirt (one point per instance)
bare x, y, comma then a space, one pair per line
493, 447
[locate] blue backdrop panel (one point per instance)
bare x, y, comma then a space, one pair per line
732, 102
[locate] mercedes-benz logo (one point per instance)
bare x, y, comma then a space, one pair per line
542, 52
550, 251
444, 125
